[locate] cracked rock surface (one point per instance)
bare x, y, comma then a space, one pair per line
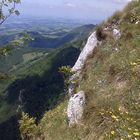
88, 49
76, 107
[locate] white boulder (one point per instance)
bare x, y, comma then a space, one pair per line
116, 33
75, 108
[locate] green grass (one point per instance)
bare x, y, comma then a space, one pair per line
54, 125
111, 81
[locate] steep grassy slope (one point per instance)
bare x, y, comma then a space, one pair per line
111, 81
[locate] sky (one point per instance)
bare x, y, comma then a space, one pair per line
71, 9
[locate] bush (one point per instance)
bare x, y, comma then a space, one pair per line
27, 127
100, 34
66, 73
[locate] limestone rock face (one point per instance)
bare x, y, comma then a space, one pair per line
75, 108
71, 88
88, 49
77, 101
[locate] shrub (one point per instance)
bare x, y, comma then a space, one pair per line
27, 127
100, 34
65, 70
66, 73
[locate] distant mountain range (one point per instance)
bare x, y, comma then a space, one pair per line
79, 33
51, 38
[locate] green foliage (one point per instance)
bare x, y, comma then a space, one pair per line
10, 6
27, 127
65, 70
19, 42
66, 73
5, 50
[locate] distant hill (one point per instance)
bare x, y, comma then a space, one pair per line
79, 33
45, 34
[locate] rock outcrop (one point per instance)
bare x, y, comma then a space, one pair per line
116, 33
77, 101
88, 49
76, 107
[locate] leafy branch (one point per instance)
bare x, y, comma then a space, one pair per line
7, 8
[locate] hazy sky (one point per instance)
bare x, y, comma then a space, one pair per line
83, 9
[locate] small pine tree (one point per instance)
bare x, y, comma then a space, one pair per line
27, 127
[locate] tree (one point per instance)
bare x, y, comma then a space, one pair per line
7, 8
